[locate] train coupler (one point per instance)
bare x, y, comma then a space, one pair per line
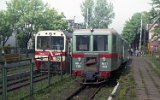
90, 76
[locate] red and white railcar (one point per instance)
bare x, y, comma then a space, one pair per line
54, 45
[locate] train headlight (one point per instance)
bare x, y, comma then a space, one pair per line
103, 59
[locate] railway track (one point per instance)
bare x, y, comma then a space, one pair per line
11, 77
16, 84
87, 91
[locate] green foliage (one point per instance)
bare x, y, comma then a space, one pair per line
87, 8
52, 20
103, 14
99, 15
7, 49
155, 14
155, 8
127, 87
133, 25
23, 18
30, 16
156, 34
5, 27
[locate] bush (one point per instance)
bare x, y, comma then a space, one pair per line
7, 49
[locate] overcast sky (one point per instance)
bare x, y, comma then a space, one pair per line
124, 9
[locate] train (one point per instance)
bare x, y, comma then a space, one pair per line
52, 46
96, 53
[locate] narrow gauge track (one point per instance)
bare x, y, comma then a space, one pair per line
11, 77
15, 78
16, 84
88, 91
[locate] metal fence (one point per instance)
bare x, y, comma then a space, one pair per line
18, 71
12, 74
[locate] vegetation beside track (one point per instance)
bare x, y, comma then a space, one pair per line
104, 93
58, 91
127, 87
155, 63
39, 88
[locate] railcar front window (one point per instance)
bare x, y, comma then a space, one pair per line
100, 43
42, 42
82, 43
51, 43
57, 43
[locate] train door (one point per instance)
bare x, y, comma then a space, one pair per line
91, 63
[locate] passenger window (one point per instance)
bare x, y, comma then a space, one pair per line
100, 43
82, 43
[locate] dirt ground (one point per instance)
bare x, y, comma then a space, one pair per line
146, 79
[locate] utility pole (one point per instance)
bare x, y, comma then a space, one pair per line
140, 37
1, 41
1, 45
87, 19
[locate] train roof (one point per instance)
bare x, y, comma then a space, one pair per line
95, 31
55, 32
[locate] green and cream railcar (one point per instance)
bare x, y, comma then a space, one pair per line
96, 53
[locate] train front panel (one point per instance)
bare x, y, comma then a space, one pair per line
50, 46
92, 54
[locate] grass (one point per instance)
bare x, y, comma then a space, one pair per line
104, 93
127, 84
155, 63
127, 87
58, 91
39, 88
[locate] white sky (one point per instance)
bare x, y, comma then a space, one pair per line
124, 9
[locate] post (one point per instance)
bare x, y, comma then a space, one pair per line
70, 63
31, 78
49, 72
140, 37
87, 19
61, 66
4, 76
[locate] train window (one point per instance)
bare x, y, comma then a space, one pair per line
46, 42
42, 42
57, 43
82, 43
114, 44
100, 43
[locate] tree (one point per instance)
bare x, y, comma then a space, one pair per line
52, 20
103, 14
87, 8
5, 27
155, 14
99, 15
155, 8
132, 27
30, 16
156, 34
23, 17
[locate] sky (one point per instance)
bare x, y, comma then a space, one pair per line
124, 9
